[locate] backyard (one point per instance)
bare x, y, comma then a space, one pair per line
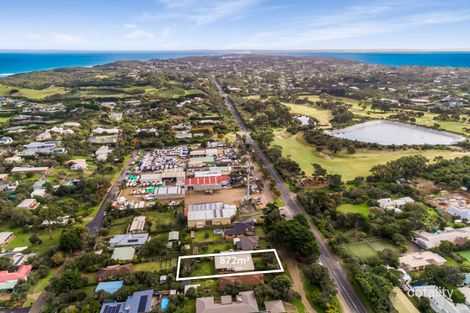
368, 248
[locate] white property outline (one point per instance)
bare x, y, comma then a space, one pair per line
251, 252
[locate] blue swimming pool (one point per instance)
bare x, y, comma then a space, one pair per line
165, 303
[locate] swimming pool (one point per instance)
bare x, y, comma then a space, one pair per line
165, 303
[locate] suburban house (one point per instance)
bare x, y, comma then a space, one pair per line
6, 141
139, 302
239, 230
428, 240
128, 240
19, 169
47, 147
207, 214
77, 165
115, 116
245, 302
45, 136
394, 205
5, 238
439, 302
420, 260
221, 266
137, 226
279, 306
102, 153
8, 280
113, 271
105, 131
206, 183
29, 204
246, 243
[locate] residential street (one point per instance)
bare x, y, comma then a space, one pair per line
96, 223
348, 298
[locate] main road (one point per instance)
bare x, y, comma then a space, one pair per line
346, 294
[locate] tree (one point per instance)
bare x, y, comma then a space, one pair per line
318, 170
72, 238
154, 247
50, 214
57, 258
71, 279
281, 284
296, 238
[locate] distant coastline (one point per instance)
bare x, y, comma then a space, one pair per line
14, 62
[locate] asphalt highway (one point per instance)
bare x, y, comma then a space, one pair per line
346, 294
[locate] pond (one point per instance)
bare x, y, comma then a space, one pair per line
305, 120
387, 132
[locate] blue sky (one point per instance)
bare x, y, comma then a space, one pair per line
234, 24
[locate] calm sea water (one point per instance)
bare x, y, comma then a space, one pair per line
18, 62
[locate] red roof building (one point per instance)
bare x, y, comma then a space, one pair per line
21, 274
206, 183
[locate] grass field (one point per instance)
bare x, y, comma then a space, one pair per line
21, 238
155, 266
36, 94
348, 166
200, 236
323, 116
465, 254
426, 120
367, 249
362, 208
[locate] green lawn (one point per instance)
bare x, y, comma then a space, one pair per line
205, 268
348, 166
200, 236
362, 208
465, 254
367, 249
36, 94
118, 229
213, 248
21, 238
160, 218
323, 116
155, 265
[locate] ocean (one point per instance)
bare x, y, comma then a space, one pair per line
19, 62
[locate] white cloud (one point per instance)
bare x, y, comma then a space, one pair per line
351, 22
130, 26
140, 33
202, 11
64, 38
34, 35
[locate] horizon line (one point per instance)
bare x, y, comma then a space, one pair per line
242, 50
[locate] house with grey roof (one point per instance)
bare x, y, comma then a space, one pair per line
128, 240
244, 302
139, 302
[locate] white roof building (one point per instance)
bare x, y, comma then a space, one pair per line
394, 205
420, 260
211, 211
29, 204
5, 237
439, 300
428, 240
137, 225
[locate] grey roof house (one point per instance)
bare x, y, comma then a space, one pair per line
128, 240
139, 302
